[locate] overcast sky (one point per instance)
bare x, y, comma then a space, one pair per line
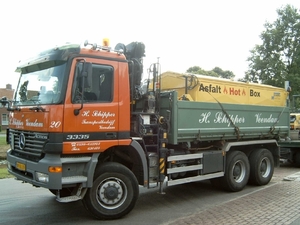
181, 33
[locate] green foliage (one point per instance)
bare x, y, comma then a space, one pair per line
224, 74
3, 140
3, 167
295, 104
277, 59
216, 72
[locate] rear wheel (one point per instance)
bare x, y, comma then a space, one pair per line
114, 192
236, 172
261, 167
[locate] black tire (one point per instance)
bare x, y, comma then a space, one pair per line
114, 192
297, 159
237, 171
261, 167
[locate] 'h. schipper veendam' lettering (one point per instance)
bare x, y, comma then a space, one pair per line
34, 123
260, 119
220, 117
17, 122
223, 118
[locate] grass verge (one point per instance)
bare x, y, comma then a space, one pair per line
3, 147
3, 167
4, 173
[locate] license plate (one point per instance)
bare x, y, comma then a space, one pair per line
21, 166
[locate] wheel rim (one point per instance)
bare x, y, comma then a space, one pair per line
265, 167
111, 193
239, 171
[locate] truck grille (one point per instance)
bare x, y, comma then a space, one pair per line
28, 145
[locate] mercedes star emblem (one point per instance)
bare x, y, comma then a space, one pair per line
22, 141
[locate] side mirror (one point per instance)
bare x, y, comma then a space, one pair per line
4, 101
85, 70
86, 73
86, 80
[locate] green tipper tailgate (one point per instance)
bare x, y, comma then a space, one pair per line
203, 121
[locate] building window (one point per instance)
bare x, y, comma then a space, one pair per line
4, 119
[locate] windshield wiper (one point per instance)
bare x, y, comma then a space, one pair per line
37, 108
14, 109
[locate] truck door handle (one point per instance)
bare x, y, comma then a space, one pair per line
112, 135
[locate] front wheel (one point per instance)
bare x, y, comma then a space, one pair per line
237, 171
261, 167
114, 192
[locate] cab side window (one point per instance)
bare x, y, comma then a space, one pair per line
97, 89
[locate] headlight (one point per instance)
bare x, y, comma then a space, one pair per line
11, 140
42, 177
9, 165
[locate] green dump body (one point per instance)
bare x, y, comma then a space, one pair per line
207, 121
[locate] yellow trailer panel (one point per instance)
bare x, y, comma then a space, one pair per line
295, 121
210, 89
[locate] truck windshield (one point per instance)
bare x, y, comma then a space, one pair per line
292, 118
40, 87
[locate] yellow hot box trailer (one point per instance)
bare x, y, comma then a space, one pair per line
210, 89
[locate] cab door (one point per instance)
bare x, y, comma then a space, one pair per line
91, 111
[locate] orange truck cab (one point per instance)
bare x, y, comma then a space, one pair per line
71, 105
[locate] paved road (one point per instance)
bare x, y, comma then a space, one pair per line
198, 203
277, 203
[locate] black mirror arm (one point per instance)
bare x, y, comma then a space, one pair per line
4, 102
82, 75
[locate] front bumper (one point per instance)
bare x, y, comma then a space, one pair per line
26, 170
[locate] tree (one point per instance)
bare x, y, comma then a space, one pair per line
277, 59
224, 74
215, 72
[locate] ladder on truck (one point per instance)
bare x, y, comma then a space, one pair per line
149, 132
193, 164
